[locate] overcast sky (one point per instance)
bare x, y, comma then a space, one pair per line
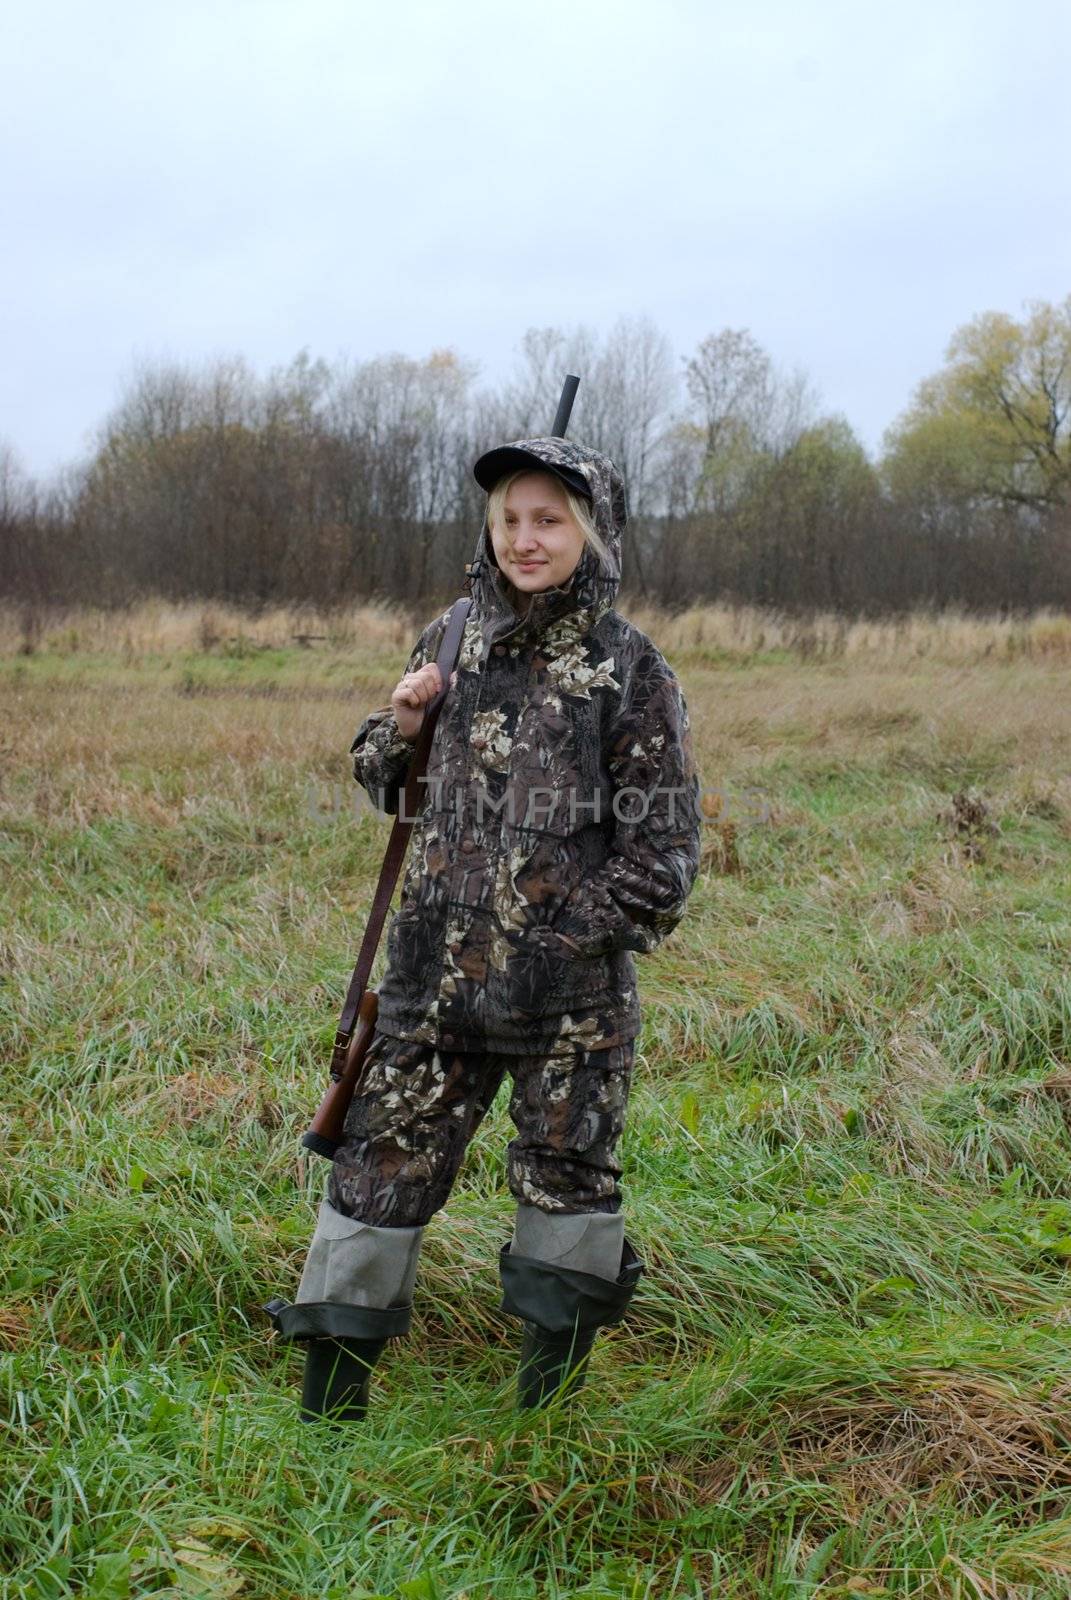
849, 179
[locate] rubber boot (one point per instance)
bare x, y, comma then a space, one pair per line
561, 1301
338, 1375
550, 1363
356, 1292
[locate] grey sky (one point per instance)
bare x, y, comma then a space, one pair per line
848, 180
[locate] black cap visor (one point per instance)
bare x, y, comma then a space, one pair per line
496, 464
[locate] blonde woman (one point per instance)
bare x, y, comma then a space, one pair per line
558, 836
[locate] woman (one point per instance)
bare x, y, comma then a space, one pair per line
558, 834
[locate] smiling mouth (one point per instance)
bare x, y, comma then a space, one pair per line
529, 563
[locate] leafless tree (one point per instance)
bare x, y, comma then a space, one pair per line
324, 482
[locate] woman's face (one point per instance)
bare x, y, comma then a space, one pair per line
538, 541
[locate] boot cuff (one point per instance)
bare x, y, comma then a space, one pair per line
560, 1299
329, 1319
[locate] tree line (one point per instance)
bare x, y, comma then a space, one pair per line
330, 483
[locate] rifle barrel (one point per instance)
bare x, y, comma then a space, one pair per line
565, 406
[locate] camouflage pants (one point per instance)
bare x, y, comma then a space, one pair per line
417, 1107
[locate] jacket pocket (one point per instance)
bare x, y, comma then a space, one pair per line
546, 979
533, 882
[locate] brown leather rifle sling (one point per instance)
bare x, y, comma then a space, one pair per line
357, 1023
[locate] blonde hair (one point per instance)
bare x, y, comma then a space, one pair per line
579, 507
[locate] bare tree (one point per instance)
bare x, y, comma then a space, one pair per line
327, 481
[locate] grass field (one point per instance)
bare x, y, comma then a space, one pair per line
847, 1371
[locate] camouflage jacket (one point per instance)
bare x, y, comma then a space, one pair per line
559, 821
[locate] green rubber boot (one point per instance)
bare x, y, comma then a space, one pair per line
356, 1292
550, 1362
338, 1375
562, 1310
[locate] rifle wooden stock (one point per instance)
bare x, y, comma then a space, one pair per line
326, 1129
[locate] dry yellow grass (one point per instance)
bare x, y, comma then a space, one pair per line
77, 742
158, 627
162, 627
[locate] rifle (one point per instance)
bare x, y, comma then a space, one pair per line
357, 1024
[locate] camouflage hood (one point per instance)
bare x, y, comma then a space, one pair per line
592, 589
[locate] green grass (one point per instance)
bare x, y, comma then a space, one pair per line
848, 1368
